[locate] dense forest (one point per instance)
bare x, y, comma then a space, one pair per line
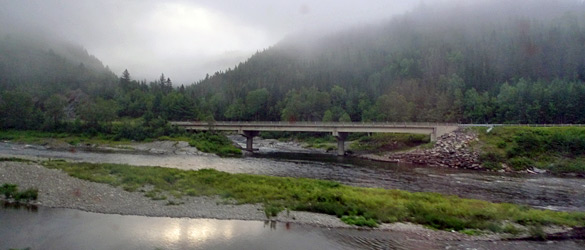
487, 62
494, 61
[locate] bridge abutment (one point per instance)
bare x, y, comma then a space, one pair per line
341, 136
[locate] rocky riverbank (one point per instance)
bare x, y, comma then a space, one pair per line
451, 150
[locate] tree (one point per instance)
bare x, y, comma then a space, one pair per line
476, 106
54, 108
338, 96
125, 80
176, 106
17, 111
256, 103
236, 111
328, 116
345, 117
393, 107
98, 111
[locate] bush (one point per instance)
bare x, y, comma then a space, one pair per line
520, 163
214, 143
10, 191
28, 195
492, 160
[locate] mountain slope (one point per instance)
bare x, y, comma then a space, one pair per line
42, 68
489, 61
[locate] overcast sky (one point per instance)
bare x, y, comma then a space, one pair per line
186, 39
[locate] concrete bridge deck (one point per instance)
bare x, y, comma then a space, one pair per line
338, 129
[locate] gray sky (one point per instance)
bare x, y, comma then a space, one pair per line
186, 39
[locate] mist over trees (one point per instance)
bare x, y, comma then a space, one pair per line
486, 62
519, 62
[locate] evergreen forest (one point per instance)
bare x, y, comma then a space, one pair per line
480, 63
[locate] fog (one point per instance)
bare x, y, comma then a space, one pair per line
184, 39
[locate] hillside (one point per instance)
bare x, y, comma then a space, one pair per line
42, 67
489, 61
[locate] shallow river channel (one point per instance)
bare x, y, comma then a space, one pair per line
46, 228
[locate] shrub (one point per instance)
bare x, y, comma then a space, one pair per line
520, 163
10, 191
492, 160
214, 143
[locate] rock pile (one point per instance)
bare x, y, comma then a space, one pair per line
451, 150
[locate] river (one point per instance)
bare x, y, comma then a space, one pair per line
543, 191
47, 228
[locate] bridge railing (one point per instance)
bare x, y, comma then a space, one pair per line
353, 124
323, 124
521, 125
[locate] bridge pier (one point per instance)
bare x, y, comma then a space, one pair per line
434, 135
250, 139
341, 136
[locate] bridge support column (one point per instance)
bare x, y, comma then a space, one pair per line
434, 135
250, 139
341, 136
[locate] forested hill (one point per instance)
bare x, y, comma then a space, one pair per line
488, 61
40, 68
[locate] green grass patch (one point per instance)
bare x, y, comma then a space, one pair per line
359, 221
10, 191
216, 143
356, 205
40, 137
557, 149
206, 142
384, 142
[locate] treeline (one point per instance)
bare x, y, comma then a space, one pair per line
492, 61
50, 88
487, 62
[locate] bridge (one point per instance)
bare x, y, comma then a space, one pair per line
339, 130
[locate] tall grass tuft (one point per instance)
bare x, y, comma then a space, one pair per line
10, 191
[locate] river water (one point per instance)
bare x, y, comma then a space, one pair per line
543, 191
45, 228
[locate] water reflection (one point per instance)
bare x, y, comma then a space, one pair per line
18, 205
71, 229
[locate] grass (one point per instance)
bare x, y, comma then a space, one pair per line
206, 142
10, 191
214, 143
556, 149
40, 137
381, 142
354, 205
